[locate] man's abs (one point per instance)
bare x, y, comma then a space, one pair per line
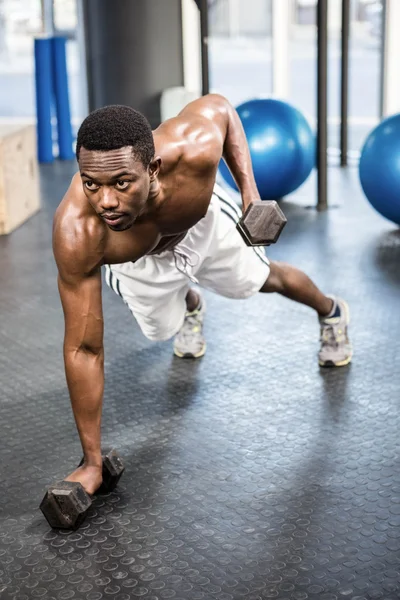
125, 247
168, 242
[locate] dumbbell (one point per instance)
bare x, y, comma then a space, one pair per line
261, 223
66, 503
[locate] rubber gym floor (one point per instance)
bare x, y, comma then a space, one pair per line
250, 473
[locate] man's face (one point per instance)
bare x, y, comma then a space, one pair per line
116, 185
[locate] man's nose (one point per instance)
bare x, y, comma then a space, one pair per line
109, 200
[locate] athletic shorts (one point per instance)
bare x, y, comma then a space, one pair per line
212, 254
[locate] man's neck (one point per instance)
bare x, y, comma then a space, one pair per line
156, 196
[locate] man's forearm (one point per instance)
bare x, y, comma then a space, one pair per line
85, 377
237, 156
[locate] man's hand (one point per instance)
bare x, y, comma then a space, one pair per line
90, 477
247, 200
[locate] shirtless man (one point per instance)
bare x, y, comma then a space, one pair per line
145, 205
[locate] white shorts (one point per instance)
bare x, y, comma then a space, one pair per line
212, 254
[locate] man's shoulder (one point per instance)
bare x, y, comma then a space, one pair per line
186, 140
196, 136
78, 233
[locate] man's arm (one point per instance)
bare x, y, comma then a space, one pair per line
84, 357
223, 117
78, 246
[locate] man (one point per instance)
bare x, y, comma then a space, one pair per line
145, 205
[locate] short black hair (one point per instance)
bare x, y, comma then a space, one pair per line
116, 126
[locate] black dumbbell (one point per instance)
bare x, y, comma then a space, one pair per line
261, 223
65, 504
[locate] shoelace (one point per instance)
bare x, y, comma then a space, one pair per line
191, 325
331, 335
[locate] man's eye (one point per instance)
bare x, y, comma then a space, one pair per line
122, 184
91, 185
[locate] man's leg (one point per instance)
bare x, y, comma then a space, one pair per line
193, 300
333, 312
296, 285
236, 270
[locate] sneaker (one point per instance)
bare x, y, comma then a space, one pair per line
335, 348
189, 341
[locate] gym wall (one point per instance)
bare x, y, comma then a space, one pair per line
133, 52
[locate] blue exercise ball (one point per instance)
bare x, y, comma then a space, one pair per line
379, 168
282, 146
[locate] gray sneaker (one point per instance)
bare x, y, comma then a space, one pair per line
189, 341
335, 348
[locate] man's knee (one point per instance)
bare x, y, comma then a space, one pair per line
276, 277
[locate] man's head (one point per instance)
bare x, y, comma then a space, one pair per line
115, 152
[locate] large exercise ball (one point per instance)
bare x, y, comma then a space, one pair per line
281, 143
379, 168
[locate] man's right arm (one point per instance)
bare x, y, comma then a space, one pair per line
84, 356
79, 253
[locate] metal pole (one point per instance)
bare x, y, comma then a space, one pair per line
382, 99
345, 83
280, 48
83, 71
191, 47
47, 7
86, 16
390, 62
322, 104
205, 82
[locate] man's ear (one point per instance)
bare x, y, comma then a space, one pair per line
154, 167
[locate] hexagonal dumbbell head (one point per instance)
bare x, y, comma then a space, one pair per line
65, 505
113, 467
262, 223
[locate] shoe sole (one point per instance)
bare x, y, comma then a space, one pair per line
341, 363
189, 354
346, 361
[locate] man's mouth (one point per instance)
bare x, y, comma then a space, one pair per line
113, 219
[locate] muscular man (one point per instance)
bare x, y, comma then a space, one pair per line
145, 205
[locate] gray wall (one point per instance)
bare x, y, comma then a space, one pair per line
133, 52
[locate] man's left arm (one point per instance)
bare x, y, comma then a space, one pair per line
236, 154
220, 112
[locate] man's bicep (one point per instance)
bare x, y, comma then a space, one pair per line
83, 312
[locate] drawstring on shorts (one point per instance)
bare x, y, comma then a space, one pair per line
183, 261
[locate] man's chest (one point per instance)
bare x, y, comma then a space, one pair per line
161, 231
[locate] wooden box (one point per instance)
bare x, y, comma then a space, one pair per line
19, 178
